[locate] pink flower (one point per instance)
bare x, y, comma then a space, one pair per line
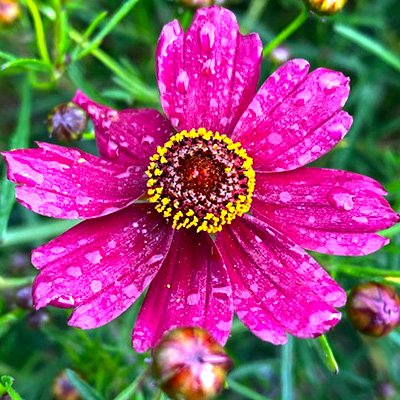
252, 263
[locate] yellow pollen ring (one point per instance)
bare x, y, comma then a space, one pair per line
172, 210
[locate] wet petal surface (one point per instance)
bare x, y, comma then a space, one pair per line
102, 265
208, 76
273, 277
329, 211
294, 118
191, 289
67, 183
128, 136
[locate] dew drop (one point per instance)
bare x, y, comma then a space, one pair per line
340, 199
182, 82
207, 37
328, 83
299, 66
147, 140
302, 97
112, 150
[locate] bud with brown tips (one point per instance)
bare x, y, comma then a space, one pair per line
67, 122
374, 309
202, 3
325, 7
63, 389
189, 364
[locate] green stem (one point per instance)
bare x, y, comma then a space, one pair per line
40, 36
389, 233
9, 283
287, 370
290, 29
28, 234
325, 352
88, 136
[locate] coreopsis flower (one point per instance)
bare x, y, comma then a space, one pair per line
325, 7
374, 309
189, 364
210, 206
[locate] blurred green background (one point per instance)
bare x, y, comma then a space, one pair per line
116, 65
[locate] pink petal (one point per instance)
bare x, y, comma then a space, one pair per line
67, 183
128, 136
282, 281
208, 76
294, 119
329, 211
101, 265
191, 289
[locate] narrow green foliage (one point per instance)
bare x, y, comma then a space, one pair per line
325, 352
287, 370
18, 140
370, 45
87, 392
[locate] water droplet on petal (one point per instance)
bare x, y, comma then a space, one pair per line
112, 150
299, 66
209, 67
182, 82
207, 37
302, 97
340, 199
147, 141
329, 83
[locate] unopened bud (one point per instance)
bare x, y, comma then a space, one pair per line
9, 11
374, 309
202, 3
280, 55
189, 364
67, 122
325, 7
63, 389
36, 319
23, 298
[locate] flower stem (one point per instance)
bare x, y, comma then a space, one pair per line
287, 370
291, 28
40, 36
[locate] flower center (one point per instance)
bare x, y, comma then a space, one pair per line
201, 179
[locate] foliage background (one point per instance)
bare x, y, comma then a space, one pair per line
363, 42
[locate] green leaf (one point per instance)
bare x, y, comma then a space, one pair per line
87, 392
133, 387
244, 391
25, 64
369, 44
114, 21
19, 139
325, 352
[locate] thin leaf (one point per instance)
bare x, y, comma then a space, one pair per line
325, 352
19, 139
114, 21
86, 391
369, 44
25, 64
244, 391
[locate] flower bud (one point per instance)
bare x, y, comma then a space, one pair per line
202, 3
63, 389
9, 11
189, 364
374, 309
67, 122
36, 319
279, 55
23, 298
325, 7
